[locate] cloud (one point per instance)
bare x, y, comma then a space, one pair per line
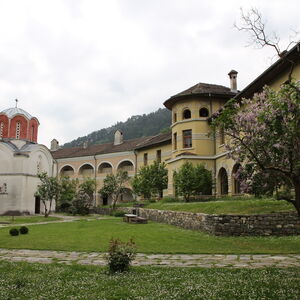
81, 65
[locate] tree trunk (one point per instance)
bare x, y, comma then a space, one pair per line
297, 194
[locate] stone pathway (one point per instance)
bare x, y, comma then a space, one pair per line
172, 260
63, 219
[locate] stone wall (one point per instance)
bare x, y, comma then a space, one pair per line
227, 225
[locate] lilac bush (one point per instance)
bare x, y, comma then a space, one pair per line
264, 133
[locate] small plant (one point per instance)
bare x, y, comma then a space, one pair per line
23, 230
14, 232
120, 214
120, 255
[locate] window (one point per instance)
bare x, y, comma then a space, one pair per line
203, 112
175, 140
158, 156
18, 129
32, 133
186, 114
1, 129
175, 117
187, 138
145, 159
222, 136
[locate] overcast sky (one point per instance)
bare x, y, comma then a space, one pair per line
82, 65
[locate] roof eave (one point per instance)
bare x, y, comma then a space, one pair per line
171, 101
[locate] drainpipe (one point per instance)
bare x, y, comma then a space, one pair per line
215, 148
95, 176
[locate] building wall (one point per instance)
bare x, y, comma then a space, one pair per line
19, 175
116, 160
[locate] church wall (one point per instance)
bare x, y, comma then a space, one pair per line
23, 127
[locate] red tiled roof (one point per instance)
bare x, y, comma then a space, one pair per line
155, 140
128, 145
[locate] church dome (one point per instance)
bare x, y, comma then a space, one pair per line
18, 124
13, 111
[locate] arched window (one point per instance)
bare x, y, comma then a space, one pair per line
67, 171
203, 112
105, 168
1, 129
126, 166
32, 132
86, 170
186, 114
18, 130
175, 117
222, 136
223, 181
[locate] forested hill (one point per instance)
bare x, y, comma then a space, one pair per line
134, 127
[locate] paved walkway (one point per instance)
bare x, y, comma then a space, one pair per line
63, 219
174, 260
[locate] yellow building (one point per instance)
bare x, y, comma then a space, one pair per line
191, 138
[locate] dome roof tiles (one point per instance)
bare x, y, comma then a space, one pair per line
13, 111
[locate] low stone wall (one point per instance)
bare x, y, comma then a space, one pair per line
223, 225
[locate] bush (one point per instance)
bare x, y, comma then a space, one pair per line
14, 232
120, 255
23, 230
72, 210
64, 207
119, 214
169, 199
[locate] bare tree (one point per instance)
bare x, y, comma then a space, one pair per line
253, 24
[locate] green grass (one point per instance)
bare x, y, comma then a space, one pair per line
38, 281
241, 206
27, 219
153, 237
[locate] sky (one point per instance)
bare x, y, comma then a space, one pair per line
82, 65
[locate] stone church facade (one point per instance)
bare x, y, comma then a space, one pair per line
21, 159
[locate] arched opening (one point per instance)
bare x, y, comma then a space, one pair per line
86, 170
223, 181
203, 112
186, 114
67, 171
126, 165
105, 168
126, 196
236, 185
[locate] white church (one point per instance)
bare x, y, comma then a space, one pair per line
21, 159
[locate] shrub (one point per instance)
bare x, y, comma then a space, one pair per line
14, 232
119, 214
23, 230
169, 200
120, 255
64, 207
72, 210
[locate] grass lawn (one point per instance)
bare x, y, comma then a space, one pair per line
235, 206
153, 237
38, 281
27, 219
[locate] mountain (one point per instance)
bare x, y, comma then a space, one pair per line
134, 127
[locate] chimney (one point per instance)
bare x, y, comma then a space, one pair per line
118, 137
85, 144
233, 85
54, 145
